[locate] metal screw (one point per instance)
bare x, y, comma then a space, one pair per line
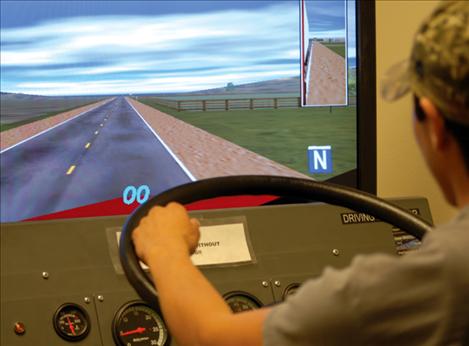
265, 284
277, 283
336, 252
100, 298
45, 275
87, 300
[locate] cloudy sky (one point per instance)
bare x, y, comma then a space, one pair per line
326, 18
107, 47
330, 19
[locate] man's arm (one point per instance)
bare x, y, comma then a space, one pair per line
195, 312
378, 299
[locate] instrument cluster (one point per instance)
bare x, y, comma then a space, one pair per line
136, 323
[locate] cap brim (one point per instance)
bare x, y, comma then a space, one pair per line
396, 81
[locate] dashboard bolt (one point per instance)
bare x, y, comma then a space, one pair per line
336, 252
20, 329
45, 275
277, 283
265, 284
101, 298
87, 300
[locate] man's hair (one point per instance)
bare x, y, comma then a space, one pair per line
459, 132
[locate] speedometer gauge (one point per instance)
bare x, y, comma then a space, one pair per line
137, 324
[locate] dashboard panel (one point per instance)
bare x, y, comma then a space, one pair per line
62, 282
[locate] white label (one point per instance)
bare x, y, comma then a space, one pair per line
222, 244
218, 244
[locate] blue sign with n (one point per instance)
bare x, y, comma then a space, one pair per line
320, 159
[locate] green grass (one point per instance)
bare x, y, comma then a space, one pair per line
338, 48
227, 96
4, 127
282, 135
352, 81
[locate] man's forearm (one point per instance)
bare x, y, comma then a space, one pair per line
195, 312
191, 305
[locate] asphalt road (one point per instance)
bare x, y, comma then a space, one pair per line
89, 159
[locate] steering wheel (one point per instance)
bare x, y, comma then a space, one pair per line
257, 185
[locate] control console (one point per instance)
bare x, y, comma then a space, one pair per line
62, 282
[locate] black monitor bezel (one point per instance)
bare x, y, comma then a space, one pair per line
366, 96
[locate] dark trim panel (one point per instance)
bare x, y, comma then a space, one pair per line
366, 95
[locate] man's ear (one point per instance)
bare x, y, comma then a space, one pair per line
435, 124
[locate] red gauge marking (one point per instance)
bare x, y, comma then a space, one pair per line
139, 330
72, 328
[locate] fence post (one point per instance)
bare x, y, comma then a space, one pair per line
179, 106
275, 103
227, 106
204, 105
251, 104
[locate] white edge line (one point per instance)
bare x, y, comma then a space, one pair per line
53, 127
179, 162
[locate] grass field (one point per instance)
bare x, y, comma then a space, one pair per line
338, 48
226, 96
4, 127
283, 135
352, 82
18, 109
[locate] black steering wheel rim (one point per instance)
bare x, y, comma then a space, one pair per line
258, 185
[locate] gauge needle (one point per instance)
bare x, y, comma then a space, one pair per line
135, 331
72, 328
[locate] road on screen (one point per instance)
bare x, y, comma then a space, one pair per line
89, 159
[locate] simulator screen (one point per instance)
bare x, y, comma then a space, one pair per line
106, 103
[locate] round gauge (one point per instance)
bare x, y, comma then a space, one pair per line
290, 290
71, 322
137, 324
241, 301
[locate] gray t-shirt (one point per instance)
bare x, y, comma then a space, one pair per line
421, 298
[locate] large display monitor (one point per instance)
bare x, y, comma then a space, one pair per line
106, 103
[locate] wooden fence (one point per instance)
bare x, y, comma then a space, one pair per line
229, 104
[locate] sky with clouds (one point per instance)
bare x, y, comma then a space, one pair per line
333, 19
107, 47
326, 18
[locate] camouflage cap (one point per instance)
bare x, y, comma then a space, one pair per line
438, 67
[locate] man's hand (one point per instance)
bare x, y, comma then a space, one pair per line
168, 228
194, 310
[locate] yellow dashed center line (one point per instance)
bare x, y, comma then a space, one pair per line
87, 145
71, 169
